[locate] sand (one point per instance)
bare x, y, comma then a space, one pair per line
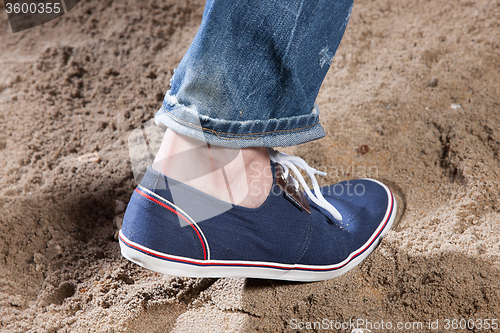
416, 82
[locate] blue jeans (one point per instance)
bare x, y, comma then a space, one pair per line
251, 76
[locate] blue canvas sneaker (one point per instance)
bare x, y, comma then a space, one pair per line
172, 228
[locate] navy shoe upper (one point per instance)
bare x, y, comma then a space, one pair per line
172, 218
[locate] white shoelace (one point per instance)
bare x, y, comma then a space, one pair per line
292, 162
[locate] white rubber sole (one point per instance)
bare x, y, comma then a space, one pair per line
187, 267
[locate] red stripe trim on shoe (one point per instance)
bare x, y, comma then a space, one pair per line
162, 256
173, 210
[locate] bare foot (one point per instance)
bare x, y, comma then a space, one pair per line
239, 176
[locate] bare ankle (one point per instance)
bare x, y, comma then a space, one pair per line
238, 176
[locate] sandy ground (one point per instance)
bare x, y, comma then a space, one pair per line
418, 82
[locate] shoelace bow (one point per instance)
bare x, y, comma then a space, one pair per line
292, 162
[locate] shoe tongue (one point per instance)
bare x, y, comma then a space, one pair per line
291, 193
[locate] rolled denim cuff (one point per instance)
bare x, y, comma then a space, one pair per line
287, 131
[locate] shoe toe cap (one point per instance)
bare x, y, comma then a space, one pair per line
366, 206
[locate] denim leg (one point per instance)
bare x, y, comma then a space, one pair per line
251, 76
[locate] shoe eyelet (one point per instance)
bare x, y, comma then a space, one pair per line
284, 179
